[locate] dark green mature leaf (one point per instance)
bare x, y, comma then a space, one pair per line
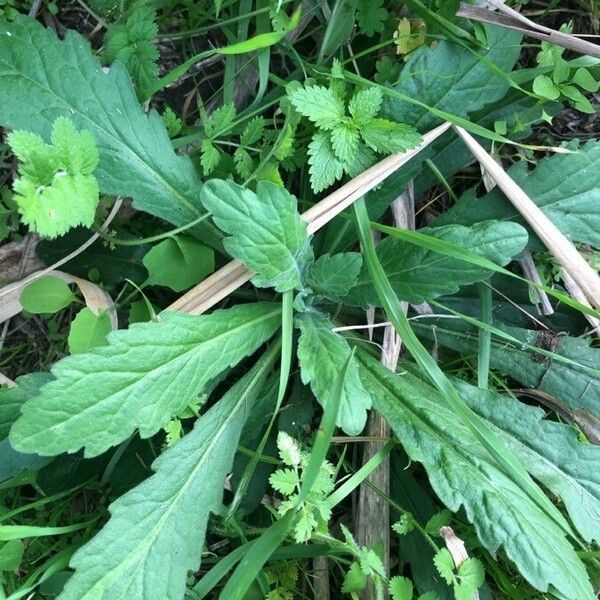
417, 274
42, 78
11, 401
564, 186
461, 474
552, 452
13, 398
574, 387
323, 355
453, 78
179, 262
145, 375
333, 276
267, 233
156, 531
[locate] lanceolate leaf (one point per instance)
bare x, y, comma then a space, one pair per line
461, 474
156, 531
551, 451
267, 233
417, 274
323, 354
145, 375
453, 78
564, 186
42, 78
574, 388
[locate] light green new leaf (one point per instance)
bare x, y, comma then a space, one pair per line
417, 274
320, 104
178, 263
11, 554
88, 330
156, 531
325, 168
387, 137
42, 78
46, 295
564, 186
145, 375
333, 276
267, 233
323, 354
453, 78
461, 473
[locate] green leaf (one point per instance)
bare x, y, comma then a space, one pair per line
417, 274
355, 580
11, 554
544, 87
471, 574
46, 295
137, 159
344, 140
253, 131
564, 186
132, 43
178, 263
267, 233
325, 168
365, 105
244, 165
371, 16
88, 330
13, 398
444, 563
401, 588
284, 481
56, 189
461, 473
101, 397
453, 78
320, 104
387, 137
220, 120
209, 157
572, 385
156, 531
323, 354
333, 276
438, 520
584, 79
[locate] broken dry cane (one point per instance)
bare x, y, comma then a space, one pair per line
573, 263
234, 274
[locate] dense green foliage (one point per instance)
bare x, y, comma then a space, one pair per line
150, 452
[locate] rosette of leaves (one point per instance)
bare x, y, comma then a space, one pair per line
56, 189
347, 137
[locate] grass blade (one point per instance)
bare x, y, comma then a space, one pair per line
503, 456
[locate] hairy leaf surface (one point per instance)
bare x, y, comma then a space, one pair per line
417, 274
462, 474
42, 78
552, 453
574, 387
145, 375
564, 186
453, 78
333, 276
156, 531
323, 355
267, 233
